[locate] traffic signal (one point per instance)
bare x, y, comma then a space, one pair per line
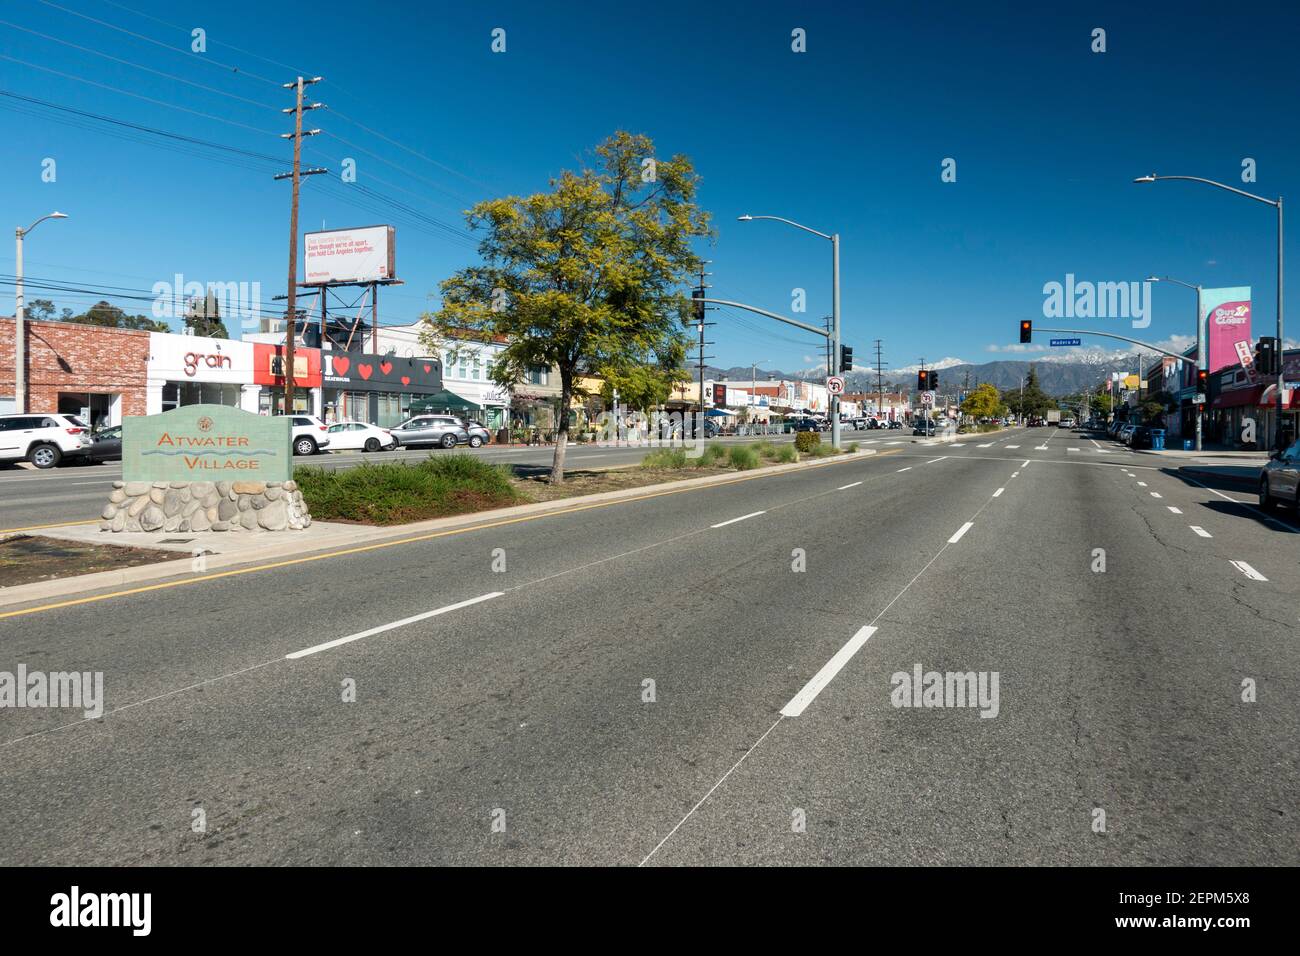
698, 294
933, 378
1266, 356
1026, 330
922, 380
1202, 380
846, 358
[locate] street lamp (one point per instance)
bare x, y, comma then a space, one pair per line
1281, 376
835, 309
753, 385
1202, 359
20, 329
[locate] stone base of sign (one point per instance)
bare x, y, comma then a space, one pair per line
204, 506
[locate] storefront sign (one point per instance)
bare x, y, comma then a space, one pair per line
364, 372
195, 358
206, 443
268, 366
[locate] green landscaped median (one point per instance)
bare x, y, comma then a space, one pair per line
397, 493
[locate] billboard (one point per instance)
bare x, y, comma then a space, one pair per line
1227, 321
206, 443
366, 254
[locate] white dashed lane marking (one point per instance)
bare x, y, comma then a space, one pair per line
1247, 570
1201, 531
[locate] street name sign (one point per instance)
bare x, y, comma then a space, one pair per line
206, 443
1059, 342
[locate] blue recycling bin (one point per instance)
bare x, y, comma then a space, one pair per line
1187, 444
1157, 439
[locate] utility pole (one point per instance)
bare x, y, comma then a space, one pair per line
880, 371
296, 176
701, 291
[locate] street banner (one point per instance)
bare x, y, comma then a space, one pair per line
1227, 320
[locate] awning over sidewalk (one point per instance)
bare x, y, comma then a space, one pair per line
442, 400
1290, 398
1237, 397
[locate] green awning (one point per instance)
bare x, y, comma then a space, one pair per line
442, 401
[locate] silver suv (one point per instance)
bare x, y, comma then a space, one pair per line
430, 430
44, 440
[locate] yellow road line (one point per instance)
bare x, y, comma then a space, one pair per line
361, 549
38, 527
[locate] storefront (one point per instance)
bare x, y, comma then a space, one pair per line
268, 372
86, 370
192, 370
377, 389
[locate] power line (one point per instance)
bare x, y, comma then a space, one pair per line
166, 46
137, 66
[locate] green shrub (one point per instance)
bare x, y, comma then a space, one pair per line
743, 458
852, 447
666, 458
787, 454
711, 456
392, 493
807, 441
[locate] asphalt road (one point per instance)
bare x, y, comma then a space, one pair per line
31, 499
506, 717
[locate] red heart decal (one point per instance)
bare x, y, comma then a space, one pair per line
385, 367
406, 380
428, 369
365, 371
341, 364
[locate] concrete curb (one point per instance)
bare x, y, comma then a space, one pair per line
362, 535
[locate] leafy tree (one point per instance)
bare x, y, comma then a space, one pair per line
1032, 401
585, 276
39, 309
982, 403
644, 386
110, 316
203, 318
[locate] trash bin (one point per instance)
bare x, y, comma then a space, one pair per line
1157, 439
1187, 444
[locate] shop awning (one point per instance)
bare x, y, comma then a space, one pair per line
439, 401
1290, 397
1237, 397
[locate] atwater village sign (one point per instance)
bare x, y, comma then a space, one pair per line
205, 468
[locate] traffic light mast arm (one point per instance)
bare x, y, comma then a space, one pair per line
1124, 338
771, 315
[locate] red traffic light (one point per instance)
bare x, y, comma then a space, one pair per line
1026, 331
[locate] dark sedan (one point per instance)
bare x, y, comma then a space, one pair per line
105, 446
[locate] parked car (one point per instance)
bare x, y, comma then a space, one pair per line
1113, 427
1279, 480
44, 439
895, 423
439, 430
1140, 436
310, 434
105, 445
923, 427
360, 436
479, 435
805, 425
1125, 434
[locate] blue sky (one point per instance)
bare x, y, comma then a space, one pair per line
847, 137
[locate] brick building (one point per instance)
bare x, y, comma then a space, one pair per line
74, 368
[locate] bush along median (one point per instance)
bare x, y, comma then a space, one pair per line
394, 493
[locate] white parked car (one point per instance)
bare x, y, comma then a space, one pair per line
44, 439
360, 436
310, 434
